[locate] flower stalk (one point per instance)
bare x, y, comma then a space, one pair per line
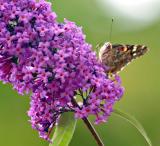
90, 126
93, 132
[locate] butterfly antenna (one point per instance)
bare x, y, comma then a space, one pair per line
110, 34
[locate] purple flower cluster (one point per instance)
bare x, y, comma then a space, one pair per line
52, 61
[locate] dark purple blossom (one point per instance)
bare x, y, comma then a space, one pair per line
52, 61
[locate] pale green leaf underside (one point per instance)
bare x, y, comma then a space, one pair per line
135, 123
64, 130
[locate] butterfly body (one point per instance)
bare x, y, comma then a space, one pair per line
117, 56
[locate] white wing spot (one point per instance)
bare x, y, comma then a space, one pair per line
134, 48
134, 54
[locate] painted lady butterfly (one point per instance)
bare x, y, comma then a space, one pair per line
117, 56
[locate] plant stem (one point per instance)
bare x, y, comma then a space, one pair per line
89, 126
93, 132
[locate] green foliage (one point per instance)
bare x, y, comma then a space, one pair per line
64, 130
135, 123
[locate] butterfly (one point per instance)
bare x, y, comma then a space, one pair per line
117, 56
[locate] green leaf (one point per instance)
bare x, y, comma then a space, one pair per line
64, 130
135, 123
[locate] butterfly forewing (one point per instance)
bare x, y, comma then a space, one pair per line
117, 56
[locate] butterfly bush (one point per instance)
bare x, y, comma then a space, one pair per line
52, 62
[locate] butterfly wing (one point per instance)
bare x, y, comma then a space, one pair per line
117, 56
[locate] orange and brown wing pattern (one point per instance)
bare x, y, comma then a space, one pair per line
117, 56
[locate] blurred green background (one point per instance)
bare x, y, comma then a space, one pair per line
140, 79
